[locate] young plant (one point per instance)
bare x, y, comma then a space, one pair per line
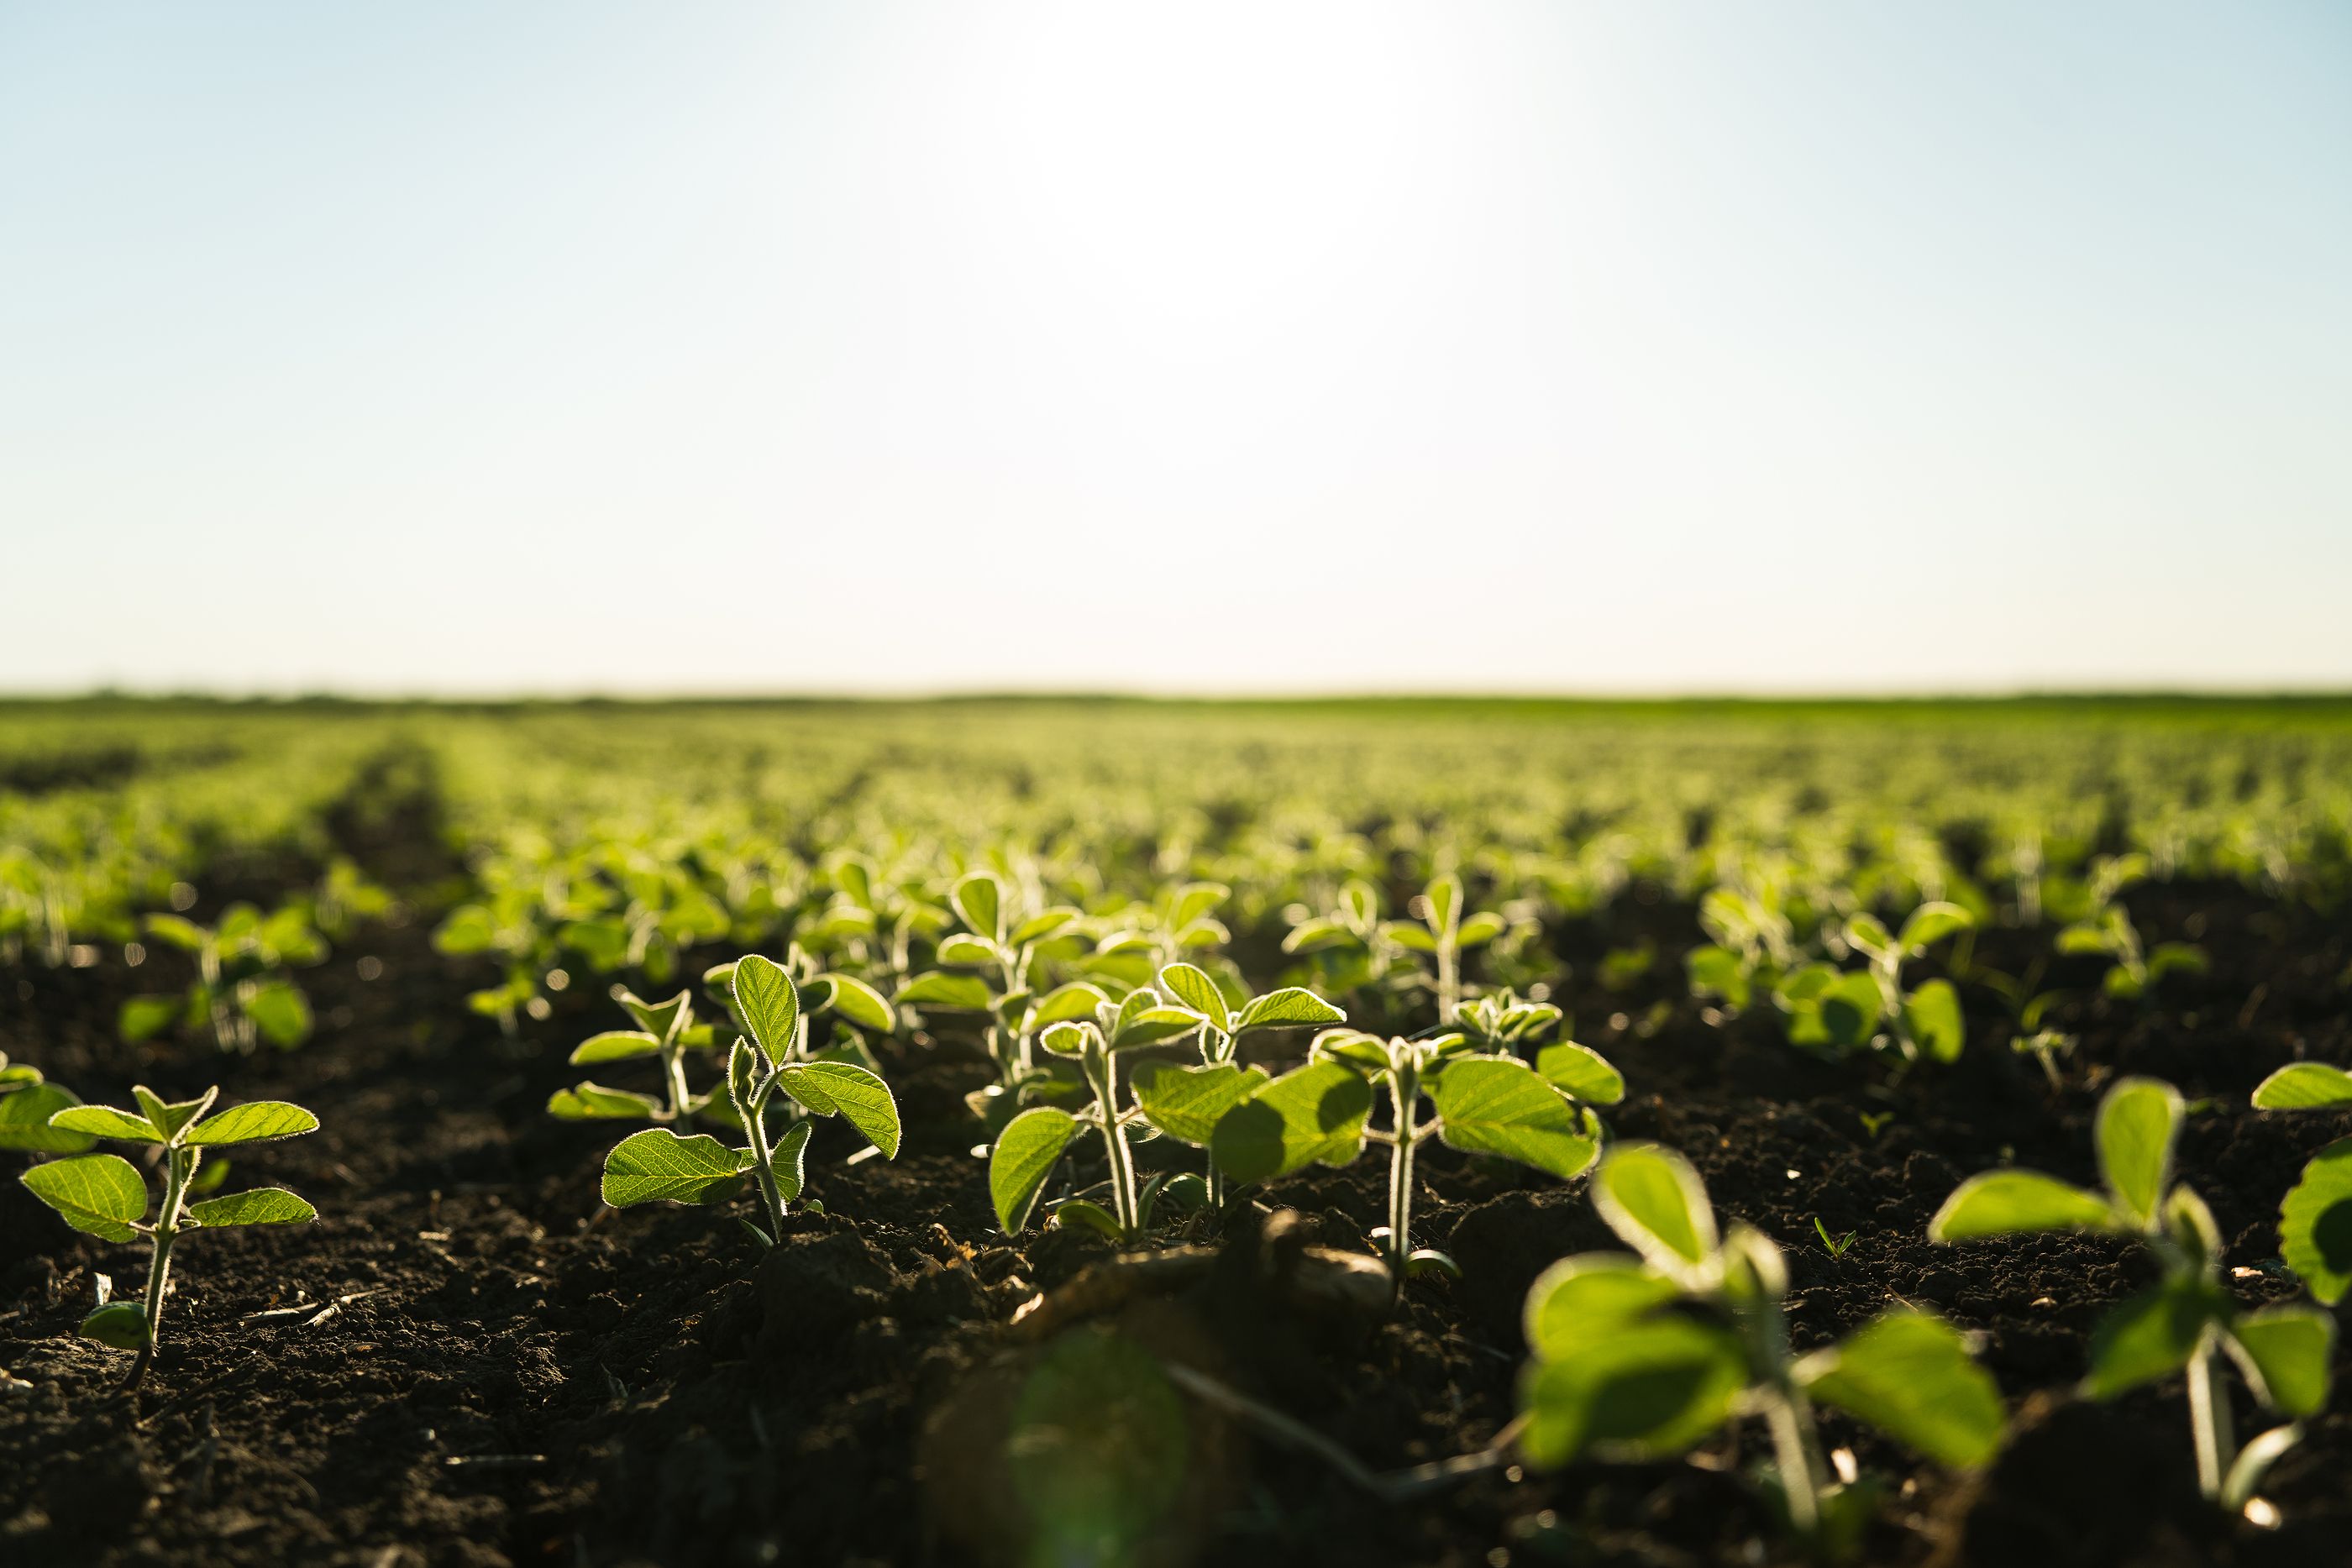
2187, 1320
663, 1030
1445, 935
1483, 1104
1185, 1102
1027, 1153
1838, 1013
1642, 1357
2106, 930
242, 988
658, 1166
105, 1195
1001, 946
2315, 1217
28, 1101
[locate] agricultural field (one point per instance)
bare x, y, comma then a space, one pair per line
1076, 1132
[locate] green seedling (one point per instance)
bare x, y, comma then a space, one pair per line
2046, 1046
1753, 941
105, 1195
2106, 930
1374, 946
2185, 1320
659, 1166
1642, 1357
2315, 1217
28, 1101
242, 990
1837, 1013
999, 948
1185, 1102
664, 1032
1835, 1247
1445, 935
1482, 1104
1032, 1144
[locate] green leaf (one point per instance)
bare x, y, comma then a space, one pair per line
1187, 1102
1093, 1216
786, 1161
1582, 1071
604, 943
1405, 934
1651, 1389
613, 1045
1313, 1113
176, 931
940, 989
1909, 1374
856, 1096
656, 1166
256, 1121
1718, 971
852, 998
1932, 1013
770, 1003
98, 1194
1192, 987
1582, 1300
657, 1019
168, 1119
1653, 1198
2315, 1223
1850, 1009
2287, 1353
1024, 1156
262, 1205
1444, 895
1044, 923
963, 947
2138, 1122
1316, 935
1498, 1105
25, 1121
2151, 1335
1479, 930
2304, 1086
106, 1122
981, 902
280, 1011
118, 1325
467, 931
1149, 1026
1930, 923
1066, 1004
1067, 1039
1287, 1008
595, 1102
2005, 1202
142, 1018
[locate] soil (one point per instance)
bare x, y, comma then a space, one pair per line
491, 1368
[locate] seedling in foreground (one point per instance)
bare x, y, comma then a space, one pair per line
2187, 1319
2315, 1237
105, 1196
1642, 1357
1186, 1101
658, 1166
1032, 1144
1484, 1104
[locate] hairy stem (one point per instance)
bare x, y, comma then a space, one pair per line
1102, 1072
754, 1113
179, 1170
1404, 1091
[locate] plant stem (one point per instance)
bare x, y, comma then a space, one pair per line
1793, 1450
180, 1168
1449, 980
755, 1125
1404, 1091
673, 1064
2209, 1419
1102, 1072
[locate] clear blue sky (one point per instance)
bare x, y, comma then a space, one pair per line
860, 346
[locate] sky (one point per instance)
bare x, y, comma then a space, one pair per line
1233, 347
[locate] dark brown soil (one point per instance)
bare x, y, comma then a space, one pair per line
515, 1374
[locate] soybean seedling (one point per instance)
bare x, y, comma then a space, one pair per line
1445, 935
1482, 1104
2107, 930
1185, 1102
1032, 1144
2315, 1217
659, 1166
105, 1195
2187, 1319
241, 989
1838, 1013
1641, 1357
